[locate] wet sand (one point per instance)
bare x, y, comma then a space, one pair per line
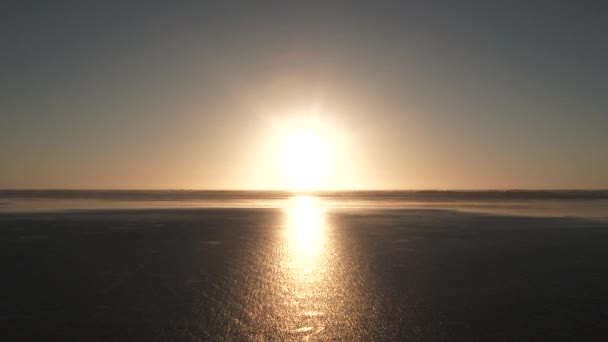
301, 273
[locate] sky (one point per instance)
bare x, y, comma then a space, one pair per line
405, 94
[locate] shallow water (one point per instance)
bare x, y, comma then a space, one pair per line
589, 204
304, 271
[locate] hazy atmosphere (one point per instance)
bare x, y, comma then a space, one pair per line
400, 95
304, 171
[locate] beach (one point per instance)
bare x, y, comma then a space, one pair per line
301, 272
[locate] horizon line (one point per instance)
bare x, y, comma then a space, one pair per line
305, 191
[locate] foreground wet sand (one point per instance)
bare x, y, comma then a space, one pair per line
301, 273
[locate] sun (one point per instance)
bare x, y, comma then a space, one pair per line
305, 159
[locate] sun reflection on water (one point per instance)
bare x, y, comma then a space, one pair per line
307, 265
305, 228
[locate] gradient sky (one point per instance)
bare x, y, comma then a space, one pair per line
114, 94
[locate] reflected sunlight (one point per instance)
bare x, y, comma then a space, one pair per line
308, 267
305, 225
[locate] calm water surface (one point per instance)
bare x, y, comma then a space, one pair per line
376, 266
592, 204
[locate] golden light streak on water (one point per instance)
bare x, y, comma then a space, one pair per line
308, 266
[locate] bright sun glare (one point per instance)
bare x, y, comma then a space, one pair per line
305, 159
